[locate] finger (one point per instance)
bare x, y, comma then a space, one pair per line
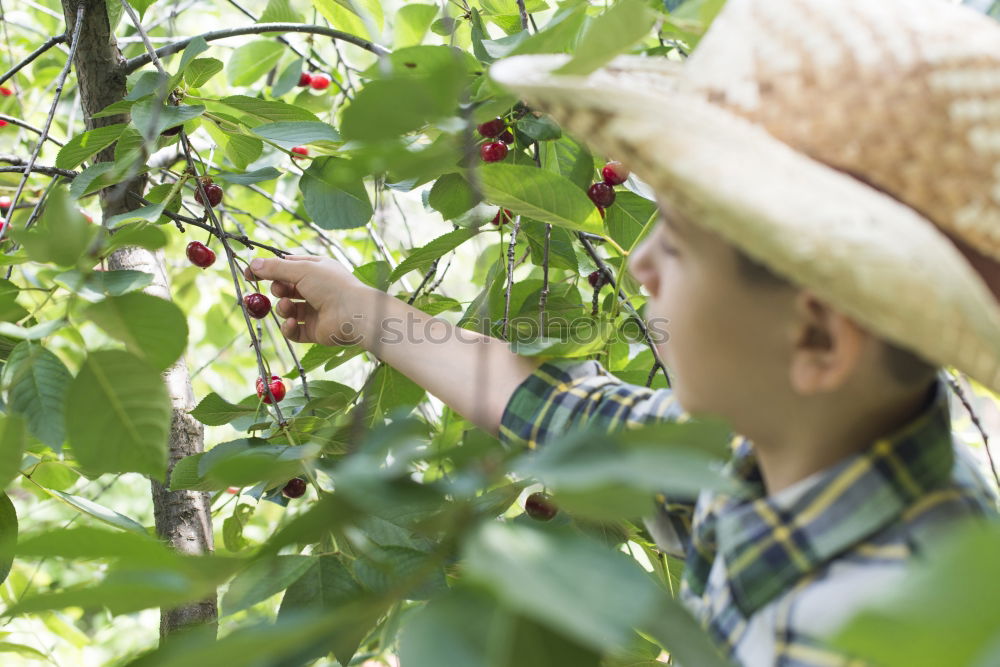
287, 270
292, 330
280, 289
289, 308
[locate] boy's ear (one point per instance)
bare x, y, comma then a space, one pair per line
827, 347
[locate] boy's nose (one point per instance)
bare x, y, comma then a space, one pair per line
640, 265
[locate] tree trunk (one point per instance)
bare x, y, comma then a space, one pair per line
183, 518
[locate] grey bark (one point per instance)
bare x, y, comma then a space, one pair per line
183, 518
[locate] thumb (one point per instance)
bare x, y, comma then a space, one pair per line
272, 268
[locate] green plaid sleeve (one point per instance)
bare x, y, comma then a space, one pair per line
569, 393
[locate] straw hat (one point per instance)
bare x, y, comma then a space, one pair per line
853, 146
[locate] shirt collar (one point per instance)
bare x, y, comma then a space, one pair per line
770, 542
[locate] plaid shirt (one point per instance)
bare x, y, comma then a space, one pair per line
770, 576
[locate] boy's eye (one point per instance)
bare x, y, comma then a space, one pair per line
667, 248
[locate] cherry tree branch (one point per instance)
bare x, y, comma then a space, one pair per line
21, 167
13, 120
29, 167
957, 388
139, 61
48, 44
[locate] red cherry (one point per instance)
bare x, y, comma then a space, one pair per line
540, 507
276, 386
4, 203
5, 91
295, 488
214, 193
507, 137
299, 150
305, 79
3, 123
200, 254
615, 173
233, 490
601, 194
492, 128
597, 279
493, 151
257, 305
503, 215
319, 81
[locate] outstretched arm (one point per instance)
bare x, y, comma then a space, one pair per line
322, 302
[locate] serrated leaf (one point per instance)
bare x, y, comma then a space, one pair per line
541, 128
288, 134
98, 511
541, 195
201, 70
324, 586
150, 117
12, 442
62, 234
630, 216
88, 180
118, 415
37, 382
279, 11
268, 110
423, 256
289, 78
213, 410
263, 579
412, 22
8, 535
232, 528
248, 178
86, 144
622, 25
151, 328
251, 61
451, 196
332, 202
185, 476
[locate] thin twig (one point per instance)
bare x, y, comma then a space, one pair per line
623, 299
80, 12
510, 273
975, 420
145, 38
13, 120
48, 44
139, 61
37, 169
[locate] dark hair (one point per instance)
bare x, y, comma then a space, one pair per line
904, 366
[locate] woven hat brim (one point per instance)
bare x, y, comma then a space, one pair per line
866, 254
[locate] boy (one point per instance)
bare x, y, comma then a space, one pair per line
829, 239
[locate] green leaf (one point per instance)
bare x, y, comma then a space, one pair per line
88, 542
289, 78
12, 443
629, 218
89, 179
216, 411
903, 622
62, 234
8, 535
541, 128
10, 309
331, 201
561, 253
37, 382
201, 70
84, 145
465, 627
412, 22
451, 196
248, 460
150, 117
138, 234
36, 332
423, 256
95, 286
559, 35
279, 11
297, 133
23, 651
251, 61
569, 158
324, 586
141, 6
97, 511
537, 573
151, 328
622, 25
186, 476
248, 178
118, 415
389, 389
583, 337
148, 213
542, 195
232, 528
268, 110
263, 579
